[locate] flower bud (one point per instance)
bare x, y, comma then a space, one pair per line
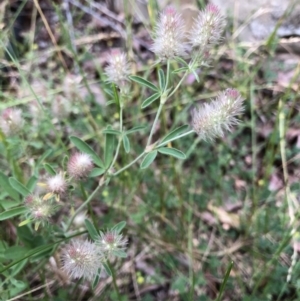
11, 121
39, 210
211, 120
117, 70
80, 165
82, 259
169, 40
207, 28
111, 241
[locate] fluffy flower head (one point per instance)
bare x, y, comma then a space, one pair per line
207, 29
39, 210
82, 259
56, 184
80, 165
211, 120
111, 241
169, 41
118, 69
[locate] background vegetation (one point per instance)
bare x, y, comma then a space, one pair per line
232, 204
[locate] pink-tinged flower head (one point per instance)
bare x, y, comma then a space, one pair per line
111, 241
169, 40
211, 120
39, 210
82, 259
80, 165
56, 184
208, 28
11, 121
118, 69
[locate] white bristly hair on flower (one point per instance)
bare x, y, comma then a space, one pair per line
80, 165
210, 120
82, 259
56, 184
207, 28
117, 70
11, 121
111, 241
169, 39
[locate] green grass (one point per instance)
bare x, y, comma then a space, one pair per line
182, 235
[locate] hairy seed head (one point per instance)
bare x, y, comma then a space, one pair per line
169, 40
117, 69
213, 119
207, 28
82, 259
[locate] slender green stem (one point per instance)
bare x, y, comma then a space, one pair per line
154, 123
120, 138
179, 84
114, 280
225, 281
162, 102
187, 72
168, 75
82, 206
128, 165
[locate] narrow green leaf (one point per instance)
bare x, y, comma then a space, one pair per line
182, 61
162, 80
91, 229
149, 100
18, 268
25, 222
196, 76
50, 170
112, 132
96, 279
180, 70
148, 159
172, 152
119, 226
43, 157
96, 172
29, 254
12, 212
225, 281
15, 252
19, 187
109, 148
136, 129
109, 92
143, 82
110, 102
5, 185
107, 269
126, 144
119, 253
31, 183
85, 148
173, 134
